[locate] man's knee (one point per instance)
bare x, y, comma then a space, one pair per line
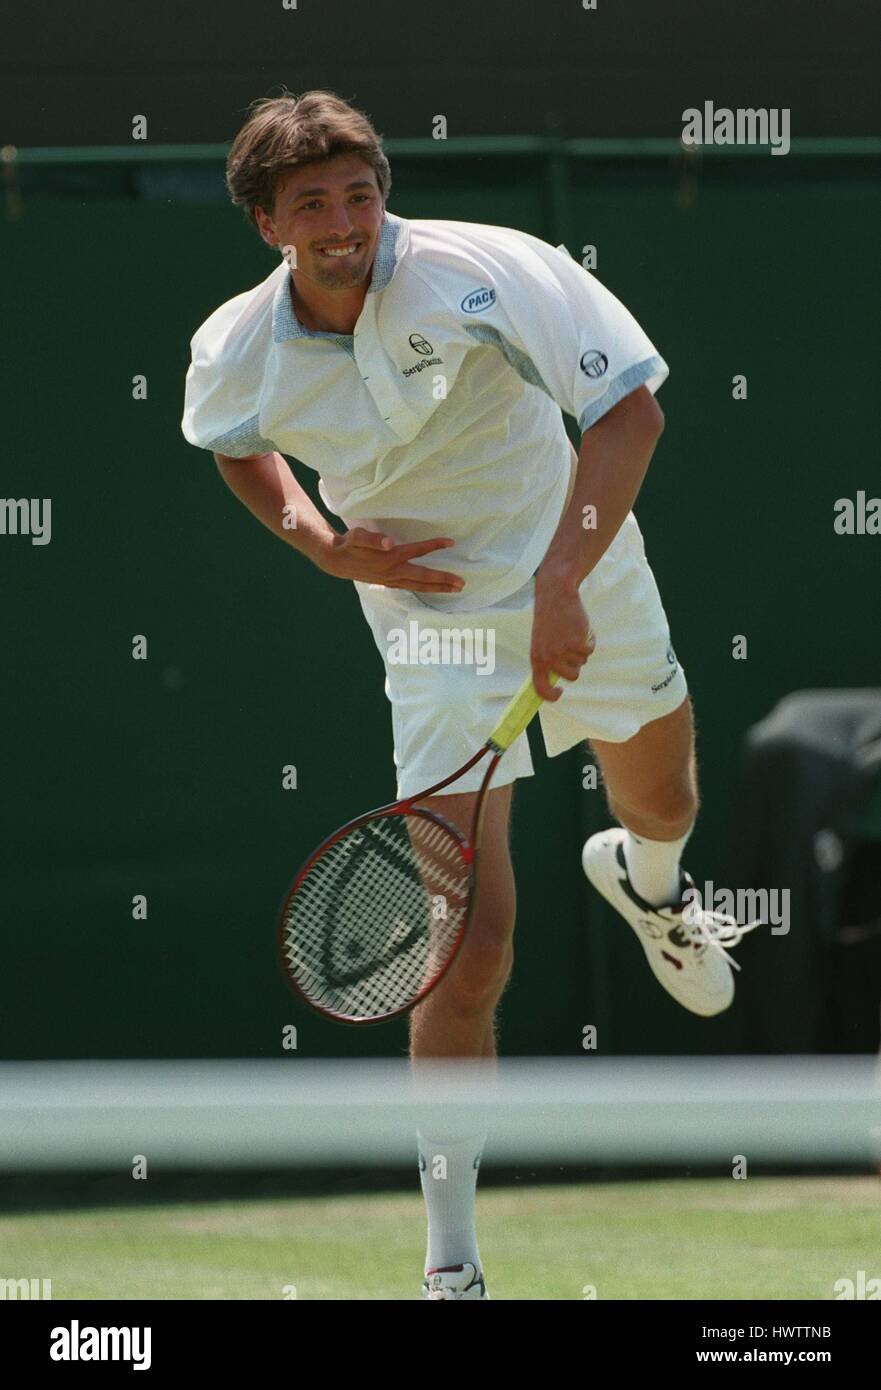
484, 963
678, 799
667, 804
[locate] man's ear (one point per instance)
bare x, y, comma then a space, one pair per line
265, 226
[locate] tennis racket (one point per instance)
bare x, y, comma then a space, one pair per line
378, 913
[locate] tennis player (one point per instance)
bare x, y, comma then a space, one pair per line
421, 368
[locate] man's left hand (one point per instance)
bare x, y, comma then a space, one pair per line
562, 639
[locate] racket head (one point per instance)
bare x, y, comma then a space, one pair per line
376, 916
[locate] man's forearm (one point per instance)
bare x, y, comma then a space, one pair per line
268, 488
612, 463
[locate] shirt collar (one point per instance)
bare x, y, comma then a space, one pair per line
394, 238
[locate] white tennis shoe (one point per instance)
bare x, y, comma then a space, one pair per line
454, 1281
683, 943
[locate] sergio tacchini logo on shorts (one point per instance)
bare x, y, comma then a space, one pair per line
671, 657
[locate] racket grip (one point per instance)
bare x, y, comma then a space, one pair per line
518, 715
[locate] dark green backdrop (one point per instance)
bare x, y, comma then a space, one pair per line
164, 777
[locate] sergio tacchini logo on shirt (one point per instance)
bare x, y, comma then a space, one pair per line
422, 346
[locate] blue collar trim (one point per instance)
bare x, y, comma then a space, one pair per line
393, 241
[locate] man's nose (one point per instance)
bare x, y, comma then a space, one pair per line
339, 222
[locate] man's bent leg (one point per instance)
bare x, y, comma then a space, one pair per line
651, 785
651, 779
651, 788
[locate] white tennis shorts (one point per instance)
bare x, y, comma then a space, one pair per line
448, 692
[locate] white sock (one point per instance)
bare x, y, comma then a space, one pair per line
653, 866
448, 1173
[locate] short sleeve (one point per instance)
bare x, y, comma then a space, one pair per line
563, 330
221, 396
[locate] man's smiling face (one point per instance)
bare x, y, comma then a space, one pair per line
331, 213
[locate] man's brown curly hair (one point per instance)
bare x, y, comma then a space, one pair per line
286, 132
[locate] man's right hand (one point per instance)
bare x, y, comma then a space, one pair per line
370, 557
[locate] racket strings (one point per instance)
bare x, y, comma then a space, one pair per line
377, 916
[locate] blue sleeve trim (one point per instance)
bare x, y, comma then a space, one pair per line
242, 441
619, 388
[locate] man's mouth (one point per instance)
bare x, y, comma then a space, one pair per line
338, 252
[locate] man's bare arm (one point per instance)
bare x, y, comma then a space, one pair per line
612, 463
268, 488
615, 454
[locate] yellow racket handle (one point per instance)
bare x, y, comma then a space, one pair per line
517, 716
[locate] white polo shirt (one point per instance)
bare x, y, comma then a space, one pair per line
440, 414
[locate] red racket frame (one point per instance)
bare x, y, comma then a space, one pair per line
470, 856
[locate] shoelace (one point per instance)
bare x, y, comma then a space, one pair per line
716, 929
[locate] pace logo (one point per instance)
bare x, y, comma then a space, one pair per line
420, 344
478, 300
594, 363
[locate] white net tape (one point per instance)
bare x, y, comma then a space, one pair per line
77, 1115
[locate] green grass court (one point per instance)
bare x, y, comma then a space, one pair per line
683, 1238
